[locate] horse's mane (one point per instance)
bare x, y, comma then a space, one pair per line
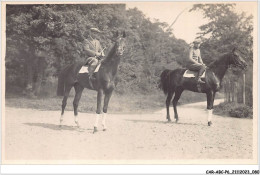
219, 60
111, 52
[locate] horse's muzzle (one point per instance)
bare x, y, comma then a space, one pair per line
244, 65
120, 53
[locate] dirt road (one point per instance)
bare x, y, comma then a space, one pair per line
35, 135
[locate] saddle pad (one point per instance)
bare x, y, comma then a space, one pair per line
192, 74
84, 69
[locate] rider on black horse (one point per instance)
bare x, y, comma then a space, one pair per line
94, 50
195, 62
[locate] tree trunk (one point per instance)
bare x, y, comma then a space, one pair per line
35, 67
232, 91
244, 88
229, 96
41, 65
235, 92
29, 64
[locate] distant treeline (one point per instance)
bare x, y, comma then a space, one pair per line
42, 39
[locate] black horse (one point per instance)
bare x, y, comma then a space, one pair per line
104, 83
172, 81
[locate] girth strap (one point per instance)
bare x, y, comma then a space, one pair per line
199, 87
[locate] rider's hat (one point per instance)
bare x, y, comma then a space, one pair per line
197, 41
93, 29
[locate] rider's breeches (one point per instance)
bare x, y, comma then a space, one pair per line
197, 67
92, 63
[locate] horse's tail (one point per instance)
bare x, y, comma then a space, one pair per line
165, 81
61, 81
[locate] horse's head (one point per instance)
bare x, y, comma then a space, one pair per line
120, 43
236, 60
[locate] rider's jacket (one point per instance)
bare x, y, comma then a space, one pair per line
92, 47
195, 54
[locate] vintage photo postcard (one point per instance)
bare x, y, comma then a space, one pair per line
129, 83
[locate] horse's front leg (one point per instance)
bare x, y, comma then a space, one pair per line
210, 102
108, 95
98, 111
78, 90
64, 103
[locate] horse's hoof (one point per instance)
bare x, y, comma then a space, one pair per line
169, 120
104, 129
209, 123
95, 130
176, 120
77, 123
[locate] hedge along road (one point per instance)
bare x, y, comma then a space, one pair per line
32, 135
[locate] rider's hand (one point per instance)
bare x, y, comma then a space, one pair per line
98, 54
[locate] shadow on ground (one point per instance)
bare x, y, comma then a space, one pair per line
164, 122
57, 127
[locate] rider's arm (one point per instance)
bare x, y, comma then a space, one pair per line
100, 50
102, 53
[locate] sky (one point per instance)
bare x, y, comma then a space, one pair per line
187, 25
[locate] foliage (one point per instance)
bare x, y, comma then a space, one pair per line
55, 33
226, 30
42, 39
234, 110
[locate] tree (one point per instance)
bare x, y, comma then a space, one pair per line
226, 30
43, 39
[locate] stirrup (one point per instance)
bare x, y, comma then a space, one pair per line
200, 81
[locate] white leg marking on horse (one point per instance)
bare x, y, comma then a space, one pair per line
209, 115
76, 120
96, 121
61, 119
104, 120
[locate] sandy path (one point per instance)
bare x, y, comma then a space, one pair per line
35, 135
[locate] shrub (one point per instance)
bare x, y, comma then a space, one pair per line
234, 110
241, 112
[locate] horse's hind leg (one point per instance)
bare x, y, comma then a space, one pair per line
177, 96
64, 102
168, 102
78, 91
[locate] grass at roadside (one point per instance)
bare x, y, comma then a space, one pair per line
126, 103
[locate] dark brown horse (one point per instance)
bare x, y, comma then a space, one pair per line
103, 84
172, 82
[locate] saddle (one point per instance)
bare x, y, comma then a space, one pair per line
192, 74
84, 69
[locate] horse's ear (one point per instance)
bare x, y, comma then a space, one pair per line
124, 34
117, 34
234, 49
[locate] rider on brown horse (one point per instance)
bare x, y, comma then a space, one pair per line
94, 50
195, 62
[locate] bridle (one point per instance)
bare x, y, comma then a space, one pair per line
236, 62
119, 47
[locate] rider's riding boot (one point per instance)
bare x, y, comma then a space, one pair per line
90, 79
199, 80
91, 71
90, 75
201, 71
